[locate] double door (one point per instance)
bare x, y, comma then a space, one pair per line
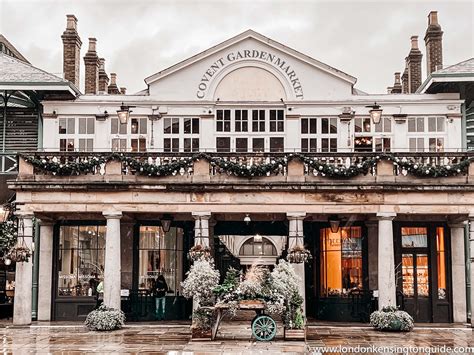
423, 276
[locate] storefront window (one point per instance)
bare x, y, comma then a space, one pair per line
81, 260
341, 261
441, 259
414, 237
160, 253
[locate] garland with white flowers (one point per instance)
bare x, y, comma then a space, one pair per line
173, 166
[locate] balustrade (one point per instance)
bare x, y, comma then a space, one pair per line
251, 165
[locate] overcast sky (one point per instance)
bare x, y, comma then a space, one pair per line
366, 39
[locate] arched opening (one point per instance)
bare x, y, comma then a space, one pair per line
258, 246
250, 83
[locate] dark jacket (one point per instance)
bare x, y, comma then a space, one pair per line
160, 288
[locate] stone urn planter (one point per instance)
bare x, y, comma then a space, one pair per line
295, 334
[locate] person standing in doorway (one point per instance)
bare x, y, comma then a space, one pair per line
160, 293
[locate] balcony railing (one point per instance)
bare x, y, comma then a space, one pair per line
307, 166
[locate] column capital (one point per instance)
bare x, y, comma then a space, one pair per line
295, 215
457, 224
386, 216
24, 214
45, 222
471, 217
201, 215
112, 214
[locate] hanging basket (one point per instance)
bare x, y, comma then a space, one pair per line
298, 255
19, 253
199, 252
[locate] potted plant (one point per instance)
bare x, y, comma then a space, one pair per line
105, 318
285, 283
391, 319
199, 284
201, 328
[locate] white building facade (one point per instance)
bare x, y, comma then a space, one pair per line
252, 103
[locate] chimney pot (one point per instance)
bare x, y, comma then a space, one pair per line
433, 18
113, 79
414, 42
397, 78
123, 90
92, 44
71, 22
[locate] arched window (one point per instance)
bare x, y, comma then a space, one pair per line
258, 246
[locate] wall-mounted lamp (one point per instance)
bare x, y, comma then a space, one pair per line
247, 219
375, 113
124, 113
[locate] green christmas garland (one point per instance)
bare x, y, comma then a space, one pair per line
272, 166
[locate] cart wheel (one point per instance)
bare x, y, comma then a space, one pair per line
264, 328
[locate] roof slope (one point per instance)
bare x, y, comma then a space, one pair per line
462, 72
258, 37
13, 70
465, 67
12, 49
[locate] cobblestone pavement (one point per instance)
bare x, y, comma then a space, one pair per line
233, 337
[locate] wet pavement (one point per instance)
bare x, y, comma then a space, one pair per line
234, 337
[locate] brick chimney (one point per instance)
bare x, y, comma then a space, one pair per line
413, 62
405, 80
123, 90
103, 77
113, 88
434, 44
71, 51
397, 85
91, 61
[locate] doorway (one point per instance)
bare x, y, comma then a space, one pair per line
422, 271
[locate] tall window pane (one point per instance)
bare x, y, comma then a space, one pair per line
341, 261
81, 260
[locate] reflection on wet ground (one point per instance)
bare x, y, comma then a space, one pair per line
234, 337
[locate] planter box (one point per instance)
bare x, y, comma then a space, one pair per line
295, 334
201, 335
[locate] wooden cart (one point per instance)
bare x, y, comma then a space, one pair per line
263, 326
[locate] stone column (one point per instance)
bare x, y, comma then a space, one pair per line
386, 261
471, 259
112, 269
24, 275
296, 238
373, 246
45, 271
458, 272
201, 228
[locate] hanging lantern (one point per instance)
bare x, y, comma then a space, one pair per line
334, 223
166, 222
375, 113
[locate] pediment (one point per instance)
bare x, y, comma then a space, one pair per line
250, 66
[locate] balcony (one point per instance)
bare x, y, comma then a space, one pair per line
243, 171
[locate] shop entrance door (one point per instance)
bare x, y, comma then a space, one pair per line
423, 271
416, 285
